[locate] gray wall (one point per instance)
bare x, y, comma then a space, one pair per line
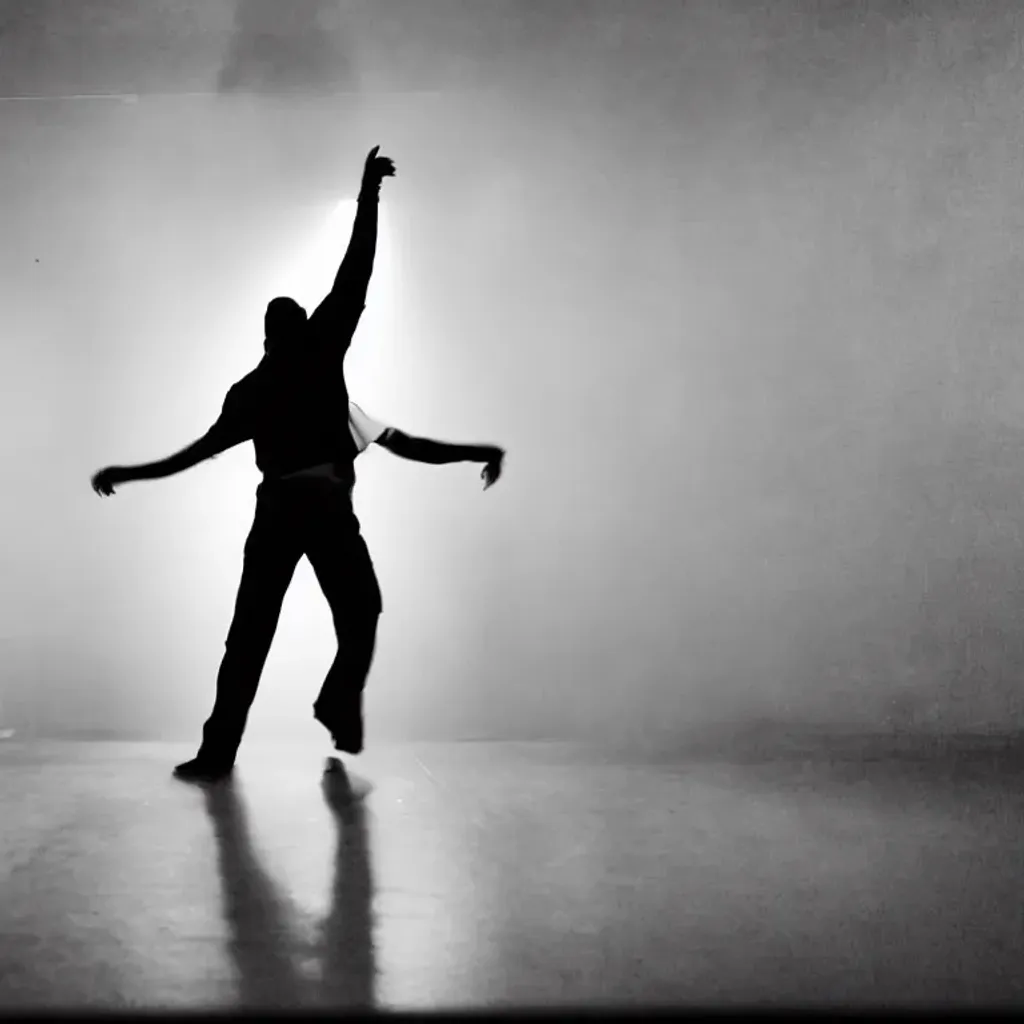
735, 285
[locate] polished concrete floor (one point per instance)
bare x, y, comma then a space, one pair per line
504, 875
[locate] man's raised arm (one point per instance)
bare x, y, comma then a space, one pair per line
344, 305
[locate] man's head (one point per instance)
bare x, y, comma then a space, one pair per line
283, 319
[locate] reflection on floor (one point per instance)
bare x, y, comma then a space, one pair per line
497, 875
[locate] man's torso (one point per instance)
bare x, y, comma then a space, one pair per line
295, 406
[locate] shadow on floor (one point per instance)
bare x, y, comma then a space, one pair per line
263, 939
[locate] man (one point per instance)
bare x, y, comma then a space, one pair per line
289, 408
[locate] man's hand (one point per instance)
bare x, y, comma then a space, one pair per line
492, 470
104, 482
377, 168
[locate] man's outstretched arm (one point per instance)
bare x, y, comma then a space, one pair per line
437, 453
107, 479
229, 430
341, 310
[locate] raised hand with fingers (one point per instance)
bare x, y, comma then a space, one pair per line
377, 168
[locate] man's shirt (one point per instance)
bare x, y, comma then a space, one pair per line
363, 429
292, 405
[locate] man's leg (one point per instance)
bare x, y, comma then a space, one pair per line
342, 564
272, 551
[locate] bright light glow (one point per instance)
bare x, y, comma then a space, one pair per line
307, 276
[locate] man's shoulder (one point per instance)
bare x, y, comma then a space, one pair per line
245, 385
242, 395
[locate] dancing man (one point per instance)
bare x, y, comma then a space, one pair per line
292, 407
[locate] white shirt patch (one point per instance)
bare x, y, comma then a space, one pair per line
364, 429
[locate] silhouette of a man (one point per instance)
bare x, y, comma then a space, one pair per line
289, 408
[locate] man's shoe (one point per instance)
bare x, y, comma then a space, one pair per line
349, 738
200, 770
346, 731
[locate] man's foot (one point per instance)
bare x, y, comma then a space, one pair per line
349, 740
347, 736
201, 770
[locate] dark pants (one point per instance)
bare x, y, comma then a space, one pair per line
295, 518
